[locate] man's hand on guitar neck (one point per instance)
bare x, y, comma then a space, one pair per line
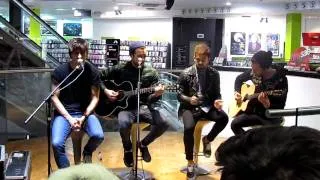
158, 90
112, 95
263, 98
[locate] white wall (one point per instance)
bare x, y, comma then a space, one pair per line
276, 24
310, 23
87, 27
135, 29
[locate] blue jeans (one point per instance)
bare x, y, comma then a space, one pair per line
61, 130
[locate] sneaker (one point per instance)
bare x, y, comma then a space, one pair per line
191, 175
87, 158
206, 148
128, 158
145, 153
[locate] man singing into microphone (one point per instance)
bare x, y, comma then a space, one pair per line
148, 76
74, 102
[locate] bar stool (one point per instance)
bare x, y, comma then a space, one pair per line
140, 174
198, 169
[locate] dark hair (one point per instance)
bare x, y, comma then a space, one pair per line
202, 48
78, 44
263, 58
271, 153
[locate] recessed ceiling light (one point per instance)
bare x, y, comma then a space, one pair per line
60, 9
228, 3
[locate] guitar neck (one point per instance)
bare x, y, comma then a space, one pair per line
255, 95
142, 91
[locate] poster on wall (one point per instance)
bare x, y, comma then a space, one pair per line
238, 43
272, 42
254, 43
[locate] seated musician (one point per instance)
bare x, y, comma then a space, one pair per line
199, 96
264, 77
148, 113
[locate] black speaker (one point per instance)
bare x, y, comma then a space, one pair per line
2, 161
169, 4
18, 166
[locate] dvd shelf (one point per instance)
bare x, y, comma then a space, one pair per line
158, 53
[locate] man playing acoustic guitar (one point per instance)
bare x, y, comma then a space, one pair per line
199, 96
128, 72
266, 80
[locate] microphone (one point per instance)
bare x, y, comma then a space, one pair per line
81, 63
139, 62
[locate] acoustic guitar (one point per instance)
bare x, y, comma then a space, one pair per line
125, 90
247, 94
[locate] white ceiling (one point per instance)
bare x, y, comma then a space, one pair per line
192, 8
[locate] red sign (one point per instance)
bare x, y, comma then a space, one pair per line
311, 39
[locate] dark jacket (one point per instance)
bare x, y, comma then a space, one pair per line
278, 81
127, 72
188, 87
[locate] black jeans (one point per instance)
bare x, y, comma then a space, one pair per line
153, 117
246, 120
189, 122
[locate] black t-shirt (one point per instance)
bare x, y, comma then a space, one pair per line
77, 96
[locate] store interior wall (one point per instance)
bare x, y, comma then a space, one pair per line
134, 29
275, 24
311, 23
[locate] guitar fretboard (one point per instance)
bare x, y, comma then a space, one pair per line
135, 92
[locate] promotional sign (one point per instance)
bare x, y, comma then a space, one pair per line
272, 43
112, 50
238, 43
254, 43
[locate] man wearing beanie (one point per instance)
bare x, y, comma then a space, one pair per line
129, 72
265, 78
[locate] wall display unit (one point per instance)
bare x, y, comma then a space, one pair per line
158, 53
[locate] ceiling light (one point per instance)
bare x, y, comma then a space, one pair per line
228, 3
60, 9
116, 8
73, 8
77, 13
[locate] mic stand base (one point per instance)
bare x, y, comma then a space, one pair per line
130, 175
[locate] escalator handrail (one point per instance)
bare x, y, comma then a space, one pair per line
170, 74
37, 18
19, 34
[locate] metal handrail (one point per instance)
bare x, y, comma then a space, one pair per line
19, 34
15, 71
37, 18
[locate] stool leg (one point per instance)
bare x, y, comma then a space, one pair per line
141, 175
199, 170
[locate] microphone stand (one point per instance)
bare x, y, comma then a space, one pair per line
48, 112
135, 166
